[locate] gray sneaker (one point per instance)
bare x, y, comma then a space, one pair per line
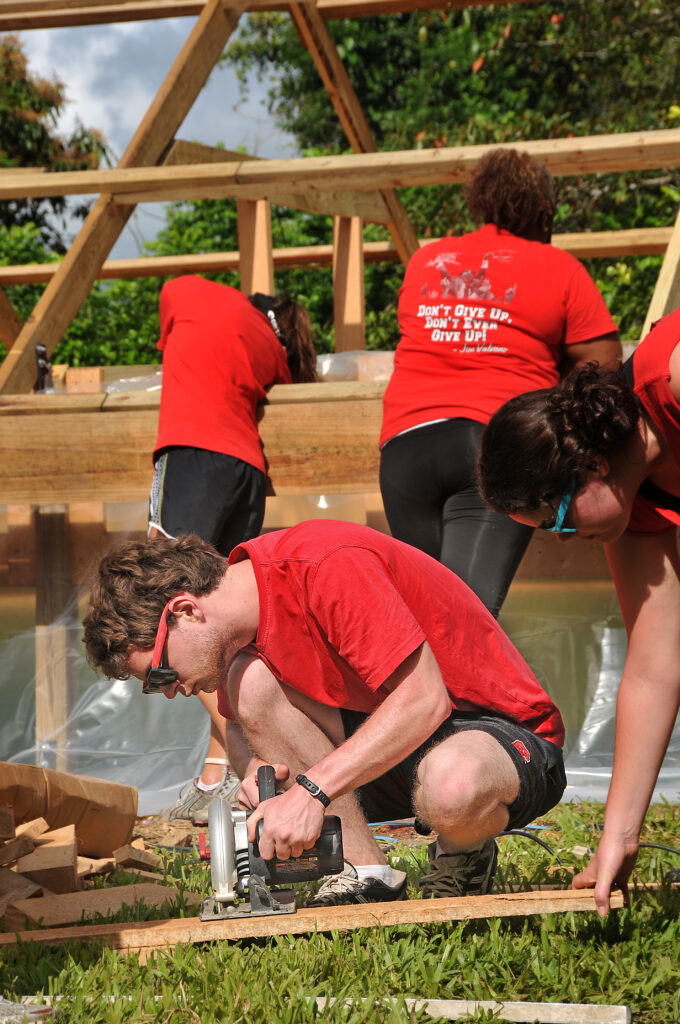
348, 888
468, 873
192, 803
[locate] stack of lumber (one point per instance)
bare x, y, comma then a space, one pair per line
44, 881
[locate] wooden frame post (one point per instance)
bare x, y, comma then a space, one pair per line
56, 648
666, 296
348, 284
256, 253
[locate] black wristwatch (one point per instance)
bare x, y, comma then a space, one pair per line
312, 788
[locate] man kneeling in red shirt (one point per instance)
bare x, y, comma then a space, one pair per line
366, 671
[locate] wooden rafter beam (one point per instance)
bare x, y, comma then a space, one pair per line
16, 15
148, 935
370, 206
266, 179
70, 285
584, 245
315, 35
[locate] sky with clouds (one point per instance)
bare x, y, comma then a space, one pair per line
111, 73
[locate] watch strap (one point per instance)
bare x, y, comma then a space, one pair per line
312, 788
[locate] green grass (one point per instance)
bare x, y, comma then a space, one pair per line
630, 958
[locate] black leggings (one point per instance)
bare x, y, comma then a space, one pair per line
427, 480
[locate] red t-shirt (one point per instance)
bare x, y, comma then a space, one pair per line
342, 606
220, 357
651, 373
483, 318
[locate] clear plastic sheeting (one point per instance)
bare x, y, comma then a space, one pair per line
112, 730
331, 366
356, 365
572, 635
145, 382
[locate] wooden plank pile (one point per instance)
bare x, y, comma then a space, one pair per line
44, 880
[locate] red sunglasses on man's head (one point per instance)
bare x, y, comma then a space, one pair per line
160, 674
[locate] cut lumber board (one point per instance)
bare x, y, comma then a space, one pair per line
144, 936
33, 829
71, 906
94, 866
14, 886
15, 849
6, 822
543, 1013
130, 856
54, 862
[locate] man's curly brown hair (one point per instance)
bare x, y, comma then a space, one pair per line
131, 587
512, 191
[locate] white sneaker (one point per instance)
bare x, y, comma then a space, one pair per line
192, 803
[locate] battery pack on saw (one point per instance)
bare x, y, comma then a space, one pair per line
324, 858
238, 869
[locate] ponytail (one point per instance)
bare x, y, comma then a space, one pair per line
537, 443
295, 333
291, 324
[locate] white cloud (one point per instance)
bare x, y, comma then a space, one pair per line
111, 74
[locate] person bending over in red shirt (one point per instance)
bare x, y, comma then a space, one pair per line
483, 316
222, 352
598, 457
345, 656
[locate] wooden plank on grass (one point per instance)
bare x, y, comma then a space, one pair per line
71, 906
542, 1013
147, 935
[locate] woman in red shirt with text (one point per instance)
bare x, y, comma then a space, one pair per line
483, 317
598, 457
222, 352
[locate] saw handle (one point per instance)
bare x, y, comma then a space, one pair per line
266, 782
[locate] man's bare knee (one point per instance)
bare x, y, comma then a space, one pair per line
467, 779
253, 689
261, 702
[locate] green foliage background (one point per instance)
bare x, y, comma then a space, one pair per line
427, 79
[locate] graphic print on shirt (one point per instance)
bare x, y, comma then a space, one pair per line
461, 322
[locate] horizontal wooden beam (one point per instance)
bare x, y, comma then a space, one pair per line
26, 14
319, 438
584, 245
326, 175
370, 207
145, 936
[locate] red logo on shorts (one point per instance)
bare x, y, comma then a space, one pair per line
526, 756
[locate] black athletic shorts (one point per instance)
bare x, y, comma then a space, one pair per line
539, 764
217, 496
